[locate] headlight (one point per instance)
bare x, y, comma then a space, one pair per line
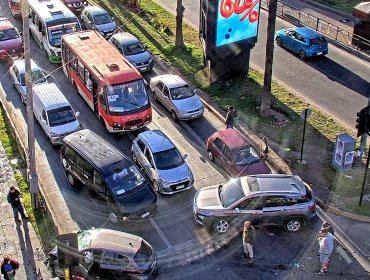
117, 125
182, 112
52, 52
69, 5
150, 61
164, 182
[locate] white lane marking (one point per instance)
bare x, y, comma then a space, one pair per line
160, 233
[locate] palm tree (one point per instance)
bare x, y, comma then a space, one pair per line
266, 92
179, 42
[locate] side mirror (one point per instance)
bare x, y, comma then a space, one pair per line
112, 18
237, 210
77, 114
184, 156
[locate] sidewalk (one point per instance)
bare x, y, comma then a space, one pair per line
18, 241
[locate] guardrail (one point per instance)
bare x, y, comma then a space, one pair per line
334, 32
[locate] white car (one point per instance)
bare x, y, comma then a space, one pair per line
17, 74
177, 96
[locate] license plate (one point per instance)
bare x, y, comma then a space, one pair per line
180, 187
133, 127
319, 53
145, 214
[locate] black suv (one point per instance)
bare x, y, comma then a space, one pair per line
89, 159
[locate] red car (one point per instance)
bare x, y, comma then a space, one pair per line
11, 44
235, 154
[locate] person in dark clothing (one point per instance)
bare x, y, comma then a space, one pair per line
14, 198
8, 268
230, 117
249, 236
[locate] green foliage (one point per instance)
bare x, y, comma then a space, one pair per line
343, 5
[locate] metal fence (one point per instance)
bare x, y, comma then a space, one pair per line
333, 31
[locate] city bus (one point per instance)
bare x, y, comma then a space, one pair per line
110, 84
49, 20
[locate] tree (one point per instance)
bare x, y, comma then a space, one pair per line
266, 92
135, 3
179, 42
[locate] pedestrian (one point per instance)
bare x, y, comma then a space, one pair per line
230, 117
326, 242
14, 198
249, 235
8, 268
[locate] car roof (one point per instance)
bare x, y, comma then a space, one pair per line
50, 96
5, 23
277, 183
172, 81
125, 37
99, 151
115, 240
232, 138
95, 10
308, 32
156, 140
20, 64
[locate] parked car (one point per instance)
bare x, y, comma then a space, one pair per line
75, 5
269, 200
235, 154
54, 113
107, 254
99, 166
11, 44
303, 41
177, 96
17, 74
162, 162
96, 18
135, 52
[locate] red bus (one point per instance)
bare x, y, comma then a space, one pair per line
110, 85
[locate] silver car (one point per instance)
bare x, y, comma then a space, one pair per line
162, 162
271, 200
131, 48
17, 74
177, 96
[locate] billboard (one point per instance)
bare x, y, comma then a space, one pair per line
236, 20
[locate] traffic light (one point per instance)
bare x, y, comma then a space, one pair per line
363, 122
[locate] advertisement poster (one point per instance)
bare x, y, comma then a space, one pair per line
348, 159
236, 20
339, 152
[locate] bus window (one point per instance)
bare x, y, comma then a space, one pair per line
74, 62
81, 71
88, 80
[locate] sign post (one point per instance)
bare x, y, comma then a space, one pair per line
304, 115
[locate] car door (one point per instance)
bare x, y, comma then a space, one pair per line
158, 88
217, 147
138, 152
226, 160
112, 266
300, 42
17, 81
167, 102
274, 210
250, 209
289, 40
44, 122
148, 163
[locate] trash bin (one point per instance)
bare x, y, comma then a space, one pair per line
344, 152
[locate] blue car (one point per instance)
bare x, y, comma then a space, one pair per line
303, 41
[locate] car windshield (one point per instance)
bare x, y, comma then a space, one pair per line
84, 239
317, 41
246, 155
127, 97
124, 179
55, 32
133, 49
231, 192
143, 255
168, 159
102, 19
181, 92
8, 34
37, 77
60, 116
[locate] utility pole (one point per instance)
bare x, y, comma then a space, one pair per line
31, 160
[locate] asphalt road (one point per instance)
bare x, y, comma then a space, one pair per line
339, 83
180, 243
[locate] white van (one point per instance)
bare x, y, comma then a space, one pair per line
54, 113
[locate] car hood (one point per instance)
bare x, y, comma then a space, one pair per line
188, 104
106, 27
259, 167
207, 198
140, 57
176, 174
11, 44
65, 128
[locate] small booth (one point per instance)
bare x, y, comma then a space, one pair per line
362, 25
344, 152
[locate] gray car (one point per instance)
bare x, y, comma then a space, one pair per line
270, 200
162, 162
135, 52
177, 96
96, 18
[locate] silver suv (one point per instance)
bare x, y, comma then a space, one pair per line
271, 200
162, 162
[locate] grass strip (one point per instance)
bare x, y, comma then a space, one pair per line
342, 5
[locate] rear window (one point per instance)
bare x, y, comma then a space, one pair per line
253, 184
317, 41
143, 255
61, 116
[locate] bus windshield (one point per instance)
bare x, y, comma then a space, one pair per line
127, 97
55, 32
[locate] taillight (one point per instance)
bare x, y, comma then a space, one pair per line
312, 207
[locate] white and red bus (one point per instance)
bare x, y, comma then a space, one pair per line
110, 85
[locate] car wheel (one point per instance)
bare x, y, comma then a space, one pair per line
155, 97
293, 225
113, 218
173, 115
134, 158
278, 42
302, 55
221, 226
71, 179
210, 156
